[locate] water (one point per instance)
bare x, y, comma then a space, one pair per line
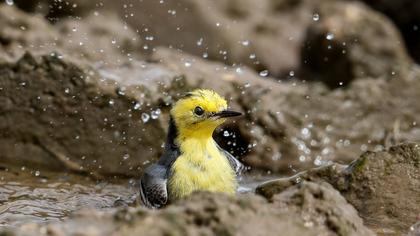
25, 198
263, 73
48, 197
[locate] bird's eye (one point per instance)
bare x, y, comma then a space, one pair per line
198, 111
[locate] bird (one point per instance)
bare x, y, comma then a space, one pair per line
192, 160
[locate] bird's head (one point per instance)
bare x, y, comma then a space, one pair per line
199, 112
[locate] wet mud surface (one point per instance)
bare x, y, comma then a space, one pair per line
330, 88
39, 197
46, 197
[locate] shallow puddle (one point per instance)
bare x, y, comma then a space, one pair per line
27, 198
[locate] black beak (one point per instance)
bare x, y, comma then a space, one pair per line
226, 113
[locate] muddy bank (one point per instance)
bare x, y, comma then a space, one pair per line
286, 126
279, 36
406, 16
343, 45
326, 200
66, 107
89, 40
58, 115
90, 95
383, 186
307, 209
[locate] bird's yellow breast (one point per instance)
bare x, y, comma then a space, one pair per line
200, 167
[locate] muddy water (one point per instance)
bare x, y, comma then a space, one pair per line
25, 197
30, 196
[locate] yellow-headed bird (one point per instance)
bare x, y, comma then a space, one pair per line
192, 160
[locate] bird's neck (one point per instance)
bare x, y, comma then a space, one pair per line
178, 136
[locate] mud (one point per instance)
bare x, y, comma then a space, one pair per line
343, 46
85, 90
308, 209
289, 125
373, 184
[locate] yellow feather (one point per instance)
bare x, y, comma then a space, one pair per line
201, 167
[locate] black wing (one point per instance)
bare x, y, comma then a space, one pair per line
234, 163
153, 188
153, 191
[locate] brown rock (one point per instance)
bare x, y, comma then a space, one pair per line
89, 40
262, 35
373, 184
102, 39
19, 31
406, 15
56, 114
287, 126
351, 41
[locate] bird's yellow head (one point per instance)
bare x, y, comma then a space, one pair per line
200, 112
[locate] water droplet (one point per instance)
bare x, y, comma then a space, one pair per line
330, 36
67, 90
74, 29
276, 156
264, 73
113, 41
252, 56
291, 73
149, 38
247, 85
9, 2
37, 173
217, 24
187, 64
239, 70
326, 151
137, 106
306, 133
126, 156
121, 91
245, 42
205, 55
302, 158
318, 161
155, 114
111, 102
315, 17
145, 117
226, 133
200, 42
